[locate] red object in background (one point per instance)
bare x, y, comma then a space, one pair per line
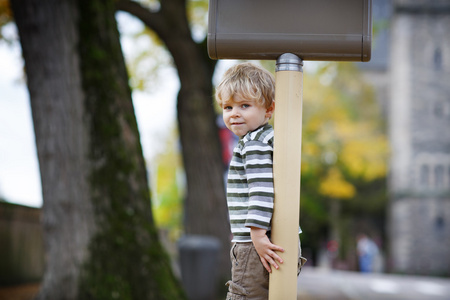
227, 141
332, 246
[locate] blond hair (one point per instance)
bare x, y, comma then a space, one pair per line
248, 81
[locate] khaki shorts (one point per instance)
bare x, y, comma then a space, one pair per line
249, 278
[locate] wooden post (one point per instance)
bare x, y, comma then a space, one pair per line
286, 169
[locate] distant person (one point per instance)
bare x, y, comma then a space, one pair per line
246, 96
367, 253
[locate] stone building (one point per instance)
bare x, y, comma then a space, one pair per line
419, 128
410, 69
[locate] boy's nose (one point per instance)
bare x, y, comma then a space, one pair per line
235, 112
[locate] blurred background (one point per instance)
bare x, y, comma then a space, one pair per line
375, 190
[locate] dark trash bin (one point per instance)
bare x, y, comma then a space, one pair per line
199, 257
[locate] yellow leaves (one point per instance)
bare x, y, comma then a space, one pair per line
365, 158
343, 138
167, 188
310, 149
335, 186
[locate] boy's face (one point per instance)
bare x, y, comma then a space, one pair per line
242, 115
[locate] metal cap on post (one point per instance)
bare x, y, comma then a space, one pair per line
289, 62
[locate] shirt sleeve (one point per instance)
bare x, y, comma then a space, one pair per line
258, 164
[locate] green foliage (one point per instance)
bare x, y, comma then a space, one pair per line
343, 134
168, 188
344, 153
197, 12
150, 55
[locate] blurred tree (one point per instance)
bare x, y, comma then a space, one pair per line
101, 241
205, 210
344, 155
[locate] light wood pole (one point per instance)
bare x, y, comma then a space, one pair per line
286, 169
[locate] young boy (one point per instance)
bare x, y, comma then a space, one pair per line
246, 96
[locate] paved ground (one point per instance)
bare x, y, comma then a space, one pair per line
324, 284
315, 284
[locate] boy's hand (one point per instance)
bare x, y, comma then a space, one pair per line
266, 250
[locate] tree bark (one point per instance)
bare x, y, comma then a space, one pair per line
205, 204
101, 242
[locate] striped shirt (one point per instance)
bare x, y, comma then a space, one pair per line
250, 191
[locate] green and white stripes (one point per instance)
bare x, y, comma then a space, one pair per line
250, 183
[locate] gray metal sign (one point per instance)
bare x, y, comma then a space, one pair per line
333, 30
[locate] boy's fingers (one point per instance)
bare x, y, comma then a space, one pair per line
275, 256
273, 263
266, 265
271, 259
277, 248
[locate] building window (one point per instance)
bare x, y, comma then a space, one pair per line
439, 224
439, 176
448, 177
439, 109
437, 60
424, 176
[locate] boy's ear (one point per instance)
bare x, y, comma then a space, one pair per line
270, 110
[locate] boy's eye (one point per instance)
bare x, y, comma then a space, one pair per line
227, 107
245, 105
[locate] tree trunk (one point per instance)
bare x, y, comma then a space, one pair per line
205, 204
101, 242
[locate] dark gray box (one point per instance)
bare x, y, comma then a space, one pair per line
199, 256
335, 30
